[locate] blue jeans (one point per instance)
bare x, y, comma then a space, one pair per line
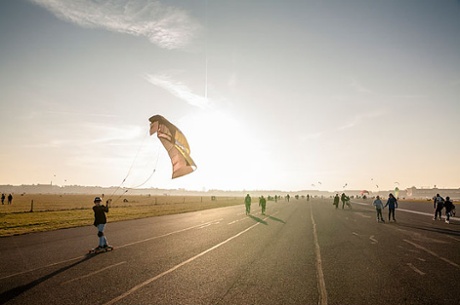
102, 239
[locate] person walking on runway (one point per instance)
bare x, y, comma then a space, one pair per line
438, 205
392, 204
378, 207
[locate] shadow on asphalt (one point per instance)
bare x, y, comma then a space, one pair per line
258, 219
434, 229
15, 292
276, 219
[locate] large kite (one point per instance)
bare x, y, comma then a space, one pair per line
175, 143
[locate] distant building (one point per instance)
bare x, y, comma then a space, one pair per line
414, 192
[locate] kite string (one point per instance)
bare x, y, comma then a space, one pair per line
129, 171
206, 52
153, 172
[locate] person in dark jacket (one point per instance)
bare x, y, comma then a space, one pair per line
247, 203
438, 205
100, 220
392, 204
336, 200
449, 205
262, 204
345, 200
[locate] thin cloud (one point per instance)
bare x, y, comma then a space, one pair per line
359, 87
166, 26
357, 119
179, 90
100, 134
81, 114
312, 136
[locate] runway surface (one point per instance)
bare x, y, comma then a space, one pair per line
299, 252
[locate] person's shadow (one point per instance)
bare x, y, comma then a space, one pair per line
258, 219
276, 219
15, 292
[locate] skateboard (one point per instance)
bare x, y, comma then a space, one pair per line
100, 250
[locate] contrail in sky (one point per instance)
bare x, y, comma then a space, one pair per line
179, 90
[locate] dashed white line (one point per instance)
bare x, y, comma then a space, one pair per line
170, 233
92, 273
362, 215
139, 286
374, 241
432, 253
118, 247
46, 266
415, 269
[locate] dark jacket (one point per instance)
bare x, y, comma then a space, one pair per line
99, 214
392, 203
448, 205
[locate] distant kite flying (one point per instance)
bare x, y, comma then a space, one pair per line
175, 144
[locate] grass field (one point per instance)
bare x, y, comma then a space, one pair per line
52, 212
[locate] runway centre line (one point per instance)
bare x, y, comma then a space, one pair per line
92, 273
118, 247
319, 265
145, 283
432, 253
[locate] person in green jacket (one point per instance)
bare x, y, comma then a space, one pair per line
247, 203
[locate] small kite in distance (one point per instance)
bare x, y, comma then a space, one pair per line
175, 144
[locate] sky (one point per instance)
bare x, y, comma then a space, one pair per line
271, 95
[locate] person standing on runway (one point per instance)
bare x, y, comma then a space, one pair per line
336, 201
100, 221
378, 207
392, 204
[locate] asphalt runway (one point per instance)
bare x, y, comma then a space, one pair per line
301, 252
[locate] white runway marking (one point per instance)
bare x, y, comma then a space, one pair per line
209, 224
118, 247
415, 269
139, 286
454, 238
319, 265
235, 221
432, 253
201, 225
91, 274
374, 241
421, 259
38, 268
362, 215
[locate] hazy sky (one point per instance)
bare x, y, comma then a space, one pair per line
270, 94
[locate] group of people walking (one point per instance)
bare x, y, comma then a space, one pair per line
440, 203
262, 204
345, 201
392, 204
10, 198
